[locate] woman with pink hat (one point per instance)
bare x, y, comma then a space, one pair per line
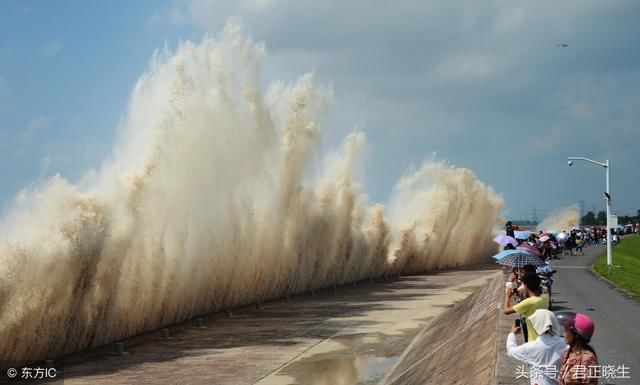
579, 362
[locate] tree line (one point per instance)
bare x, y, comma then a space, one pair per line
591, 219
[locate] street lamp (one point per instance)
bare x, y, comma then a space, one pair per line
607, 197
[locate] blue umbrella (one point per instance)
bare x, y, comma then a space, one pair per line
506, 253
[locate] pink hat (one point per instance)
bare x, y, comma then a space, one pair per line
584, 326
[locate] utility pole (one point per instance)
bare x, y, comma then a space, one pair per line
581, 212
535, 215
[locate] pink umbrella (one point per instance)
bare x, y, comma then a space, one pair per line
505, 239
531, 249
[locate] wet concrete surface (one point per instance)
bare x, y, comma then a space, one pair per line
460, 346
348, 336
363, 362
358, 359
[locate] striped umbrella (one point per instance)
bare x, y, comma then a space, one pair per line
521, 259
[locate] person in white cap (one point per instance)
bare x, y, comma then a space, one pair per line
543, 355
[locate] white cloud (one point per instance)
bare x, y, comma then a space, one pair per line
471, 80
174, 15
257, 5
51, 49
465, 67
29, 133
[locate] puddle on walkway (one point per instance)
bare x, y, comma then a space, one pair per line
362, 359
359, 370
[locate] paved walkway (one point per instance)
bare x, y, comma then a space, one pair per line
350, 336
617, 316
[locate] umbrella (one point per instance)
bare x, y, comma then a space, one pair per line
530, 249
507, 253
505, 239
522, 234
562, 238
521, 259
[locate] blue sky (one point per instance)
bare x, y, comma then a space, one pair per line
482, 85
66, 70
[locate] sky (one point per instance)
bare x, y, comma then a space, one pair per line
485, 85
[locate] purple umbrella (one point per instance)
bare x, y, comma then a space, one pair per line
505, 240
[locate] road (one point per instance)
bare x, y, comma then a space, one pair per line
616, 315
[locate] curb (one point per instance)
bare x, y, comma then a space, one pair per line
615, 285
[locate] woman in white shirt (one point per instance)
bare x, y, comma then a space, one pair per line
544, 354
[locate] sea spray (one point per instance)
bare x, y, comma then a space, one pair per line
208, 202
441, 214
561, 220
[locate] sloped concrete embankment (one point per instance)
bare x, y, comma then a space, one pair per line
460, 346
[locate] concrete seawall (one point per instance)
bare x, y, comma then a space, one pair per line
459, 347
441, 328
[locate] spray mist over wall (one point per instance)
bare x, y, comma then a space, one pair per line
207, 202
562, 220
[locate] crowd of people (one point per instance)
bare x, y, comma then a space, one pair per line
556, 346
552, 244
557, 350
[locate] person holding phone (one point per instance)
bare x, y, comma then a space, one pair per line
542, 354
527, 307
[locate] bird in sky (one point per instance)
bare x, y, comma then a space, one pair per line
563, 45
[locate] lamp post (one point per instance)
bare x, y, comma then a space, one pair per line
607, 197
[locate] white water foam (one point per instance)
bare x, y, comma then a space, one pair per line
207, 203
